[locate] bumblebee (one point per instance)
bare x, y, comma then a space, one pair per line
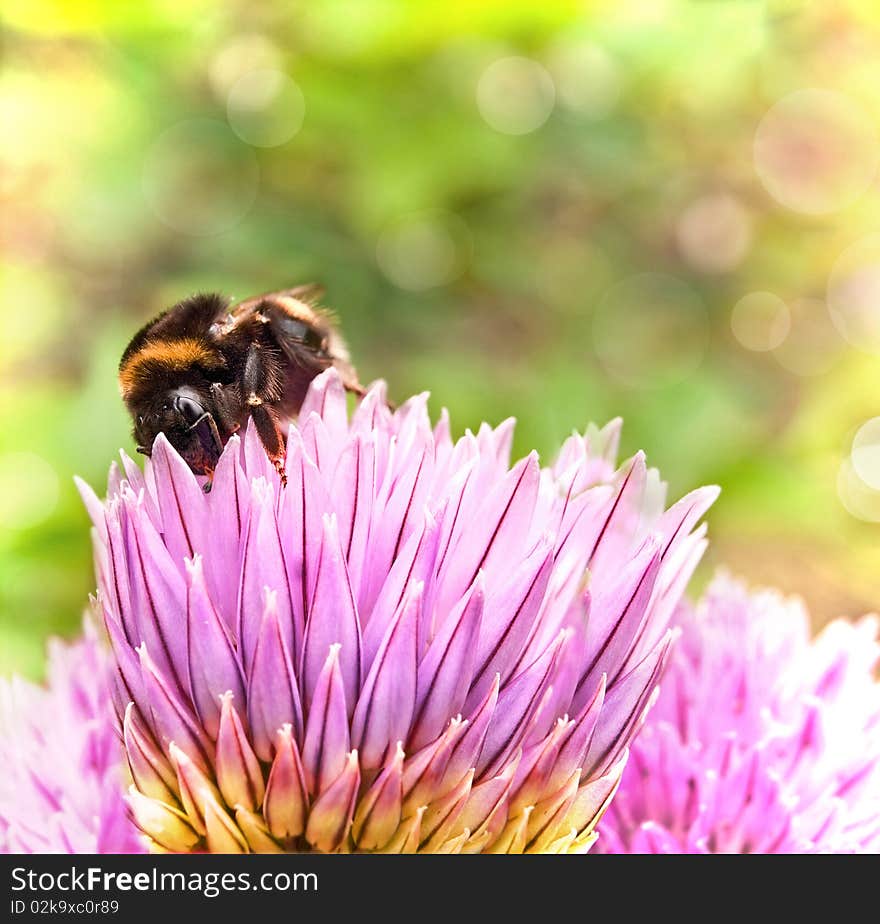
199, 371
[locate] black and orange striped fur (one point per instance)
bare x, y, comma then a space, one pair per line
200, 370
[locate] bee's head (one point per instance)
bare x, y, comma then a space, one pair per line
183, 415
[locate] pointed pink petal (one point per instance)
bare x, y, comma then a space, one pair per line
444, 674
253, 457
128, 668
158, 593
623, 516
182, 503
262, 566
617, 612
470, 746
238, 771
228, 515
494, 534
317, 443
373, 413
683, 516
379, 810
517, 703
286, 801
623, 710
354, 491
399, 512
150, 770
576, 745
425, 771
115, 588
173, 718
332, 620
327, 739
94, 507
385, 708
303, 504
326, 398
139, 482
486, 809
213, 660
193, 785
167, 826
272, 694
331, 815
414, 564
508, 617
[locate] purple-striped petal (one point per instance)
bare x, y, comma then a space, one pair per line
354, 492
182, 503
262, 566
379, 810
508, 618
494, 533
331, 815
326, 400
158, 593
173, 719
385, 707
213, 664
327, 738
415, 564
239, 775
272, 694
332, 620
445, 673
286, 801
149, 769
517, 703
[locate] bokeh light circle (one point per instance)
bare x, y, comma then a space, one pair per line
812, 345
714, 233
199, 178
29, 490
650, 331
854, 294
265, 107
423, 250
865, 453
816, 151
242, 53
588, 80
760, 321
515, 95
860, 499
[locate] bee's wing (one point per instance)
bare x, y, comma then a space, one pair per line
308, 294
291, 312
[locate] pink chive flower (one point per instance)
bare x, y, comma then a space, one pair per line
63, 772
413, 647
762, 740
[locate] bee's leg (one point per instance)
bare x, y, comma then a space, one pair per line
269, 431
260, 390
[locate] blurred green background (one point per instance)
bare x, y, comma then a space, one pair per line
562, 211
